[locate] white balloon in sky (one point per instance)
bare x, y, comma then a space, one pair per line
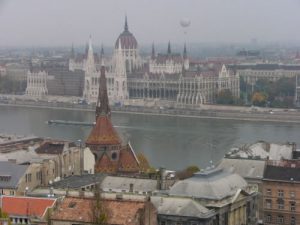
185, 22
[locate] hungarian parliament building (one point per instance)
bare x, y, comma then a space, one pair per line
171, 77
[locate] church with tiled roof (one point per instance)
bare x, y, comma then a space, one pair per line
111, 155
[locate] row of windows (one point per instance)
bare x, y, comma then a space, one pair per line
280, 219
280, 193
280, 204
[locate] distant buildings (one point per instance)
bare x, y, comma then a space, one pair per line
250, 73
170, 77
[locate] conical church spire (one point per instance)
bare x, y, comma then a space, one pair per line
102, 55
90, 61
169, 48
72, 52
153, 51
184, 51
102, 107
126, 24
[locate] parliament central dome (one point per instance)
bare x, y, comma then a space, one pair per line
126, 39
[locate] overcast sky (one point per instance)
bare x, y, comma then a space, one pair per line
62, 22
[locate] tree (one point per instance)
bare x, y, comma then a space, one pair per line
4, 215
259, 99
225, 97
187, 172
144, 163
99, 211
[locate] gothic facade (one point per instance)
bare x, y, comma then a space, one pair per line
164, 76
37, 83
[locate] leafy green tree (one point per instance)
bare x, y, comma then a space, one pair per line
225, 97
4, 215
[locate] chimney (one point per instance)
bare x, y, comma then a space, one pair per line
162, 179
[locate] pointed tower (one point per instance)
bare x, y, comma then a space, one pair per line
102, 60
90, 66
153, 52
102, 107
72, 55
186, 62
169, 48
104, 141
126, 24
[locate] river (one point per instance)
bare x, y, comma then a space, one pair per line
172, 142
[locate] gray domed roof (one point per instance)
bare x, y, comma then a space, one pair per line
214, 184
126, 39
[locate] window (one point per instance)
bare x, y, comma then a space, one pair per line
268, 218
293, 220
269, 191
268, 203
280, 219
293, 206
280, 193
281, 204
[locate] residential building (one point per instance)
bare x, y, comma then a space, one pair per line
74, 210
281, 191
250, 73
226, 193
27, 210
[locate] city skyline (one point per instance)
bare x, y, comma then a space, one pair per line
150, 21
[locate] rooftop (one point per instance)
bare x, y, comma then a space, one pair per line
79, 210
26, 206
10, 174
285, 170
247, 168
215, 184
181, 207
263, 150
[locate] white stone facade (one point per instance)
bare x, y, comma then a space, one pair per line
37, 84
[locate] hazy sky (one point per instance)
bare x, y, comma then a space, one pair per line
62, 22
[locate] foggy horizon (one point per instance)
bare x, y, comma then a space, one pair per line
55, 23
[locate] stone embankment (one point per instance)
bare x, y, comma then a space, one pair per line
205, 111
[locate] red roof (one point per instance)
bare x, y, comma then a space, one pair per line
103, 133
106, 165
26, 206
79, 210
128, 161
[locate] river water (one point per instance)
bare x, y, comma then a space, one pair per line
172, 142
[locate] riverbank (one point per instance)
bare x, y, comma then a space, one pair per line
206, 112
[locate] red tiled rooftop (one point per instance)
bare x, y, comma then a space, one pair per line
79, 210
103, 133
26, 206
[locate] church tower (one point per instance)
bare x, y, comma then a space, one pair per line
110, 155
120, 81
186, 62
90, 72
